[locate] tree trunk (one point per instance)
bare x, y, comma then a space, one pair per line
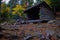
0, 5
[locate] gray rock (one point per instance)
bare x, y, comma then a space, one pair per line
51, 21
51, 32
28, 37
37, 34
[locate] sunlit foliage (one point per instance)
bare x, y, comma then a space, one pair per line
4, 8
18, 10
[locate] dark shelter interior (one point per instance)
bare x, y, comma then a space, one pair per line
33, 14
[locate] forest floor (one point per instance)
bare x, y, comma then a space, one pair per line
31, 31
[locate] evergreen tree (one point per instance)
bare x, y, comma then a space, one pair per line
30, 2
53, 4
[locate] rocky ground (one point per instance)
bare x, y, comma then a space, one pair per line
39, 31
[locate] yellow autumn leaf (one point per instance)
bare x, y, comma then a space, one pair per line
18, 9
19, 13
13, 13
8, 9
